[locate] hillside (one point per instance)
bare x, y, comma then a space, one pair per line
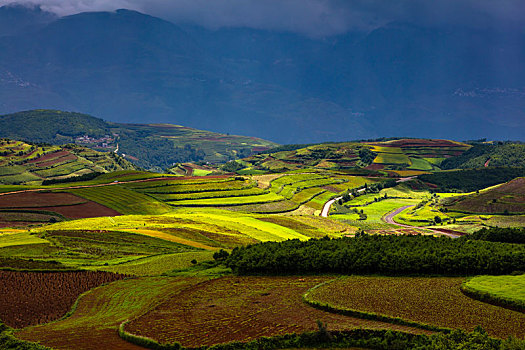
491, 154
508, 198
399, 156
26, 163
146, 145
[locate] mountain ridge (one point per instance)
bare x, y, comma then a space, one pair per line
430, 82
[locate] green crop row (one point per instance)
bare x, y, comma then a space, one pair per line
122, 200
204, 187
230, 201
62, 169
174, 182
213, 194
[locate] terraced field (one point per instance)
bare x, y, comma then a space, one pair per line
30, 298
21, 162
122, 200
435, 301
249, 307
508, 291
506, 198
21, 209
98, 314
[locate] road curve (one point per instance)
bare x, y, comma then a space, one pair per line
327, 205
389, 219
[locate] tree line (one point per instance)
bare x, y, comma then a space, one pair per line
389, 255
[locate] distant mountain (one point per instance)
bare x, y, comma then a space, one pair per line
400, 79
151, 146
16, 19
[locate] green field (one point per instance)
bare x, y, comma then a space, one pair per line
508, 290
19, 238
158, 264
169, 197
99, 312
123, 200
218, 202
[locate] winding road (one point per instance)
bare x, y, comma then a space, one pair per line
389, 219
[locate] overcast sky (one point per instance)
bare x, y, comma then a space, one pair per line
311, 17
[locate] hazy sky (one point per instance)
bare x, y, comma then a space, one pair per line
311, 17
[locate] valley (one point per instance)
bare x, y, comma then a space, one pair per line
267, 245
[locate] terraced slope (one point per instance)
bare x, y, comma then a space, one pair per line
410, 156
508, 198
151, 146
24, 163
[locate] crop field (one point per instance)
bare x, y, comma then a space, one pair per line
18, 238
318, 201
374, 212
158, 264
122, 200
201, 228
419, 164
21, 218
228, 201
30, 164
309, 229
94, 323
177, 180
392, 158
507, 288
507, 198
25, 208
30, 298
249, 307
39, 199
85, 246
169, 197
437, 301
183, 187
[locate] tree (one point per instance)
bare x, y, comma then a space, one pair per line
437, 219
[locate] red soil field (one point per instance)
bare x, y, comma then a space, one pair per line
65, 204
243, 309
27, 155
38, 199
432, 300
49, 156
94, 324
509, 196
89, 209
56, 161
30, 298
375, 166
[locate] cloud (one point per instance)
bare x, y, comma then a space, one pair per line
311, 17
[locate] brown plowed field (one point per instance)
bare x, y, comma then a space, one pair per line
56, 161
89, 209
243, 309
49, 156
39, 199
432, 300
65, 204
509, 196
30, 298
94, 324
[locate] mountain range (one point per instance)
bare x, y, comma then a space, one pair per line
400, 79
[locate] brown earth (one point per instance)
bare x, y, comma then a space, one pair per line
30, 298
243, 309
